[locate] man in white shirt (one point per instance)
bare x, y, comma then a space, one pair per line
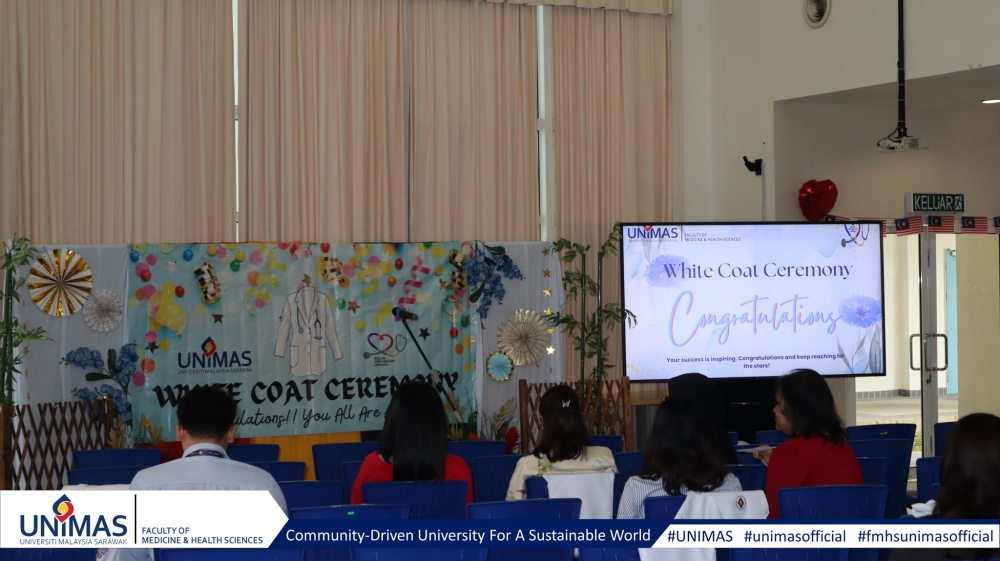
205, 417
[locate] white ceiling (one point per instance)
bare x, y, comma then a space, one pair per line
958, 91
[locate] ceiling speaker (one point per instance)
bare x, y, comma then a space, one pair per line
816, 12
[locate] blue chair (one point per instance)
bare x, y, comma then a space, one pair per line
531, 509
403, 554
897, 452
904, 431
116, 457
435, 500
789, 554
616, 493
103, 476
611, 441
304, 494
771, 437
469, 450
747, 459
629, 463
935, 489
662, 508
491, 477
349, 472
47, 554
752, 477
928, 473
609, 554
328, 457
833, 502
536, 488
231, 554
734, 437
283, 471
874, 470
351, 512
253, 452
941, 431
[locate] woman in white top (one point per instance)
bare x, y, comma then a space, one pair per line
562, 445
682, 454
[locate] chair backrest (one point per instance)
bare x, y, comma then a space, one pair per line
615, 406
895, 431
426, 499
283, 471
253, 452
772, 437
874, 470
776, 554
351, 512
747, 459
231, 554
328, 457
528, 509
935, 489
734, 437
103, 476
897, 452
609, 554
612, 442
928, 473
941, 431
491, 477
629, 463
419, 554
304, 494
662, 508
617, 491
585, 486
47, 554
116, 457
469, 450
536, 487
752, 477
349, 472
833, 502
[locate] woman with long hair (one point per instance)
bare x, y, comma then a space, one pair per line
414, 443
817, 452
562, 444
682, 455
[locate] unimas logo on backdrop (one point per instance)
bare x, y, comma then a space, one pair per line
660, 233
212, 360
67, 527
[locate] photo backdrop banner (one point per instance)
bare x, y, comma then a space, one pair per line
302, 335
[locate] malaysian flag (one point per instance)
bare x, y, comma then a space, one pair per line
907, 226
885, 227
941, 224
835, 218
974, 225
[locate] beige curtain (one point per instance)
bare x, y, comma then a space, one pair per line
474, 142
116, 121
612, 123
660, 7
322, 123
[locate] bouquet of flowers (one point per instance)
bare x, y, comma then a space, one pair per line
483, 270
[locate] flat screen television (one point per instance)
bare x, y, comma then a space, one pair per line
753, 300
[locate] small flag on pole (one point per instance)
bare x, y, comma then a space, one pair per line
911, 225
941, 224
974, 225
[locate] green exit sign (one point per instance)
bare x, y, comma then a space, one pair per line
935, 202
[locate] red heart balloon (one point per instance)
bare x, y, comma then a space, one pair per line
816, 199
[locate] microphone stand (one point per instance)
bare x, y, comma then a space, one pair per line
434, 372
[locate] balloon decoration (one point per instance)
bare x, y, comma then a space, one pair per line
816, 199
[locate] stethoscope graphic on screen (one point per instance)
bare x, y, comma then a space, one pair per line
861, 232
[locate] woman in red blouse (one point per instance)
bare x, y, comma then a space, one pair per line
414, 443
818, 453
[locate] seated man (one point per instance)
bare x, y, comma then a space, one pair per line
205, 427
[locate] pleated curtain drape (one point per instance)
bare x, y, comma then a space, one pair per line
116, 121
612, 130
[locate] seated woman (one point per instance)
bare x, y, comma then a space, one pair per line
414, 443
970, 483
562, 445
817, 453
682, 454
703, 388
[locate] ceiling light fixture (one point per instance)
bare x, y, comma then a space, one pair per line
991, 101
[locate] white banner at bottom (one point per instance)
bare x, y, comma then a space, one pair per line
824, 535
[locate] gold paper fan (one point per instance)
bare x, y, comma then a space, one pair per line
60, 282
523, 335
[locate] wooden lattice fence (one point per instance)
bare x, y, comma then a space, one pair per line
43, 437
612, 415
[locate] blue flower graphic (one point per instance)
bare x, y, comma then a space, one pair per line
665, 270
861, 311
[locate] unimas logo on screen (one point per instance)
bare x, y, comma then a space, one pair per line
654, 233
67, 527
213, 360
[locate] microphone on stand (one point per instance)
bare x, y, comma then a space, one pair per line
404, 314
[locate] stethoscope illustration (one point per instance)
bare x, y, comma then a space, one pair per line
863, 230
317, 330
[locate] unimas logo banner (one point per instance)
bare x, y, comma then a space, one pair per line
303, 336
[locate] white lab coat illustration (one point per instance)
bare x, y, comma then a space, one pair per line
307, 317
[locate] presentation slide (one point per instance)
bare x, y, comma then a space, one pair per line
753, 300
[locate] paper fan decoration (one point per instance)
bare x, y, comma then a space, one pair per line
523, 335
103, 311
60, 282
499, 366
